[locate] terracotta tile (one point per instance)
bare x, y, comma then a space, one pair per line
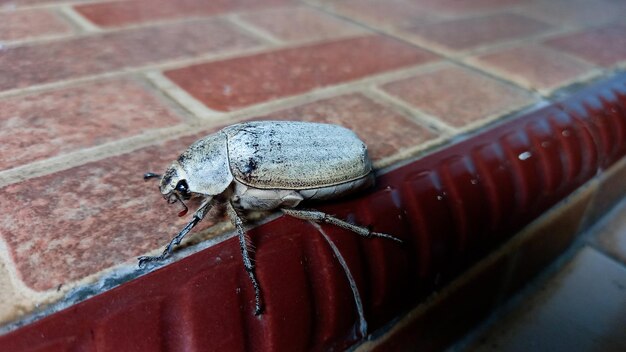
535, 66
469, 33
47, 62
120, 13
575, 12
611, 235
580, 309
30, 24
65, 226
392, 12
300, 23
235, 83
37, 126
458, 96
384, 130
605, 46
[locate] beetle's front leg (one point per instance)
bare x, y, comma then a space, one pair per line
197, 217
244, 243
318, 216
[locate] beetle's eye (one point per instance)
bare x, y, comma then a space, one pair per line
182, 187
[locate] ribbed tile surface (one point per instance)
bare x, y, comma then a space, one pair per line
450, 208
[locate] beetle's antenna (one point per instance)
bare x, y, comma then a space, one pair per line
149, 175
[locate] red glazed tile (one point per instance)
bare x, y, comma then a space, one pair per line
605, 46
384, 130
236, 83
48, 62
68, 225
37, 126
120, 13
30, 24
458, 96
392, 13
469, 33
300, 23
535, 66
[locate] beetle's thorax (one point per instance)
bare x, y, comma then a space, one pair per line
204, 166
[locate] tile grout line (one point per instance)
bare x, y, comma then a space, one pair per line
546, 92
417, 115
83, 156
78, 20
181, 97
8, 8
253, 30
32, 296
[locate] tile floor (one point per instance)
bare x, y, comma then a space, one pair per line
579, 308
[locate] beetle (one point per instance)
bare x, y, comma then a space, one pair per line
267, 165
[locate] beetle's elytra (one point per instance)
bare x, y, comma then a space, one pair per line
267, 165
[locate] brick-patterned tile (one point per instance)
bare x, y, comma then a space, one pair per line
12, 4
576, 12
458, 96
235, 83
384, 130
65, 226
456, 7
384, 13
41, 125
30, 24
469, 33
605, 46
48, 62
535, 66
300, 23
120, 13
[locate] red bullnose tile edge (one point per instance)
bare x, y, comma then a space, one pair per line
451, 208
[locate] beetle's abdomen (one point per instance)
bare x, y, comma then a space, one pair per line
295, 155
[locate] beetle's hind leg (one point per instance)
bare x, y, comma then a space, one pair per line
318, 216
199, 215
245, 244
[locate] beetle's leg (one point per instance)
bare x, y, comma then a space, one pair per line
318, 216
244, 243
197, 216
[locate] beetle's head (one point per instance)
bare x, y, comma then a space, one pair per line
174, 186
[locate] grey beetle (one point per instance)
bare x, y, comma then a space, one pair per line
267, 165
